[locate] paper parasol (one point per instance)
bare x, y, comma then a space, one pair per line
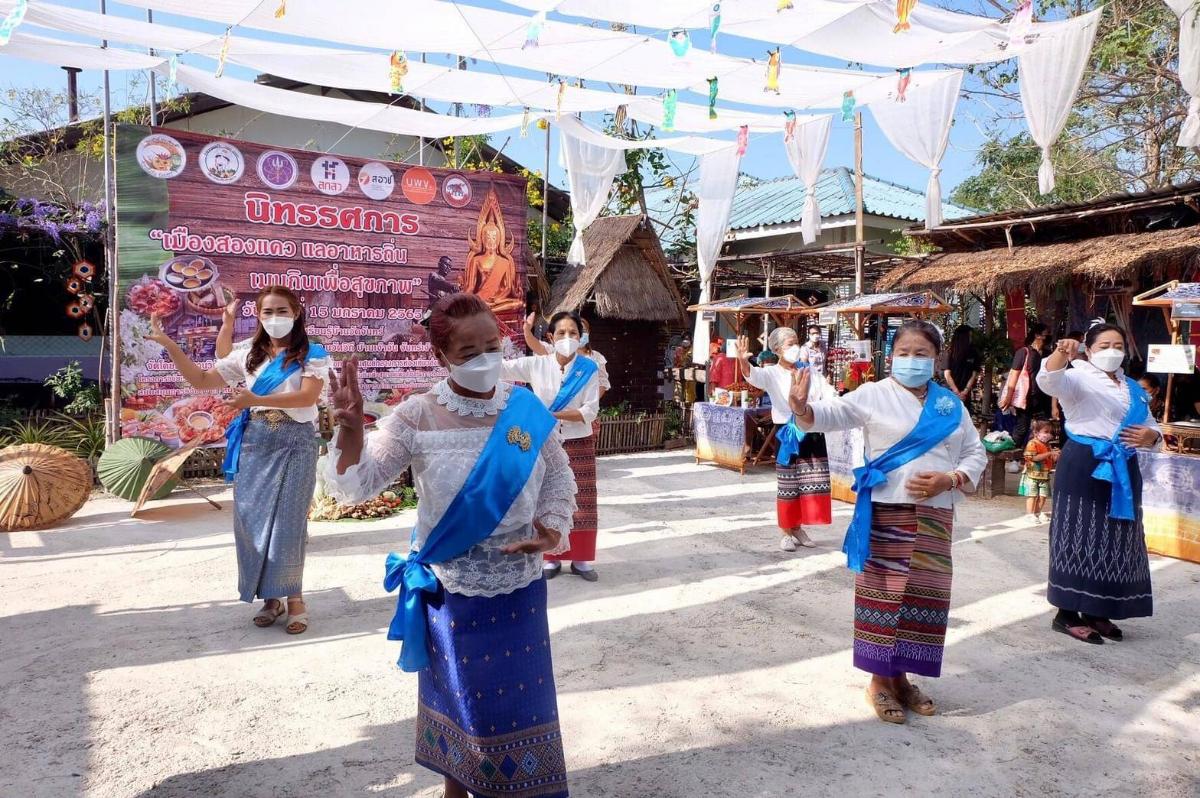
125, 467
165, 472
40, 485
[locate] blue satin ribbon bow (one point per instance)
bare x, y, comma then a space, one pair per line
1114, 455
413, 578
789, 437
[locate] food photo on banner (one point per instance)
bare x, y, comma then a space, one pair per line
368, 246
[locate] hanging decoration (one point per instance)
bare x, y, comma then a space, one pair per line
84, 270
10, 22
714, 25
558, 100
904, 8
1020, 24
743, 139
712, 98
533, 33
525, 124
483, 110
620, 116
85, 332
87, 302
397, 69
281, 12
848, 103
542, 124
73, 285
774, 63
902, 83
680, 41
783, 5
670, 102
75, 310
172, 69
223, 54
789, 127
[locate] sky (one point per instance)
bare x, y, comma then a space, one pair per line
764, 159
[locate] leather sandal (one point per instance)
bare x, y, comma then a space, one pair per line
1105, 628
297, 624
918, 702
268, 615
887, 707
1085, 634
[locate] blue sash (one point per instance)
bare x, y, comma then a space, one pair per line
575, 381
271, 378
495, 481
1114, 455
939, 418
789, 437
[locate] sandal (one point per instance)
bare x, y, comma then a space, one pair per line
268, 614
918, 702
297, 624
886, 706
1105, 628
1082, 633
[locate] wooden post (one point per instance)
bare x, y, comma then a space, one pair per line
859, 246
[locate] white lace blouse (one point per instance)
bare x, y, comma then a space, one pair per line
441, 434
232, 369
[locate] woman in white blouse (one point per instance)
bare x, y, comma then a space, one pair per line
802, 489
1099, 568
921, 450
585, 348
569, 385
486, 681
272, 449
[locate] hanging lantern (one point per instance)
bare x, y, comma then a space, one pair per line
670, 104
680, 41
84, 270
902, 83
10, 22
743, 139
848, 103
85, 332
789, 126
712, 98
714, 25
223, 54
904, 8
75, 310
74, 285
774, 63
281, 12
533, 33
397, 69
87, 302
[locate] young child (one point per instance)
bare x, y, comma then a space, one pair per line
1040, 458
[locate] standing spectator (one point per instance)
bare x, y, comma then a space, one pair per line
722, 369
1021, 391
1153, 388
960, 366
1040, 458
813, 351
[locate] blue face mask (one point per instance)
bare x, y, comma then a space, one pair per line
583, 341
912, 372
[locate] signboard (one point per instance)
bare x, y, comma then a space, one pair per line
367, 246
1171, 359
827, 318
708, 316
1185, 311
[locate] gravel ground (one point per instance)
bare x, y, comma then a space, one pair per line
704, 663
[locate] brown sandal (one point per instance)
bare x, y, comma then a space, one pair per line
885, 703
297, 624
918, 702
268, 615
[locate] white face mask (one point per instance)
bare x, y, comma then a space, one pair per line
479, 374
792, 353
1107, 359
278, 326
815, 338
566, 346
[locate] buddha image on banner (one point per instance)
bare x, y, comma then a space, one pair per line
491, 271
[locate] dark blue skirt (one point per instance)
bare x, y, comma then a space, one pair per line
488, 711
1098, 565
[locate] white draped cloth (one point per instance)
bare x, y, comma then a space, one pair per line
591, 169
1189, 68
920, 128
806, 153
718, 182
1049, 73
440, 435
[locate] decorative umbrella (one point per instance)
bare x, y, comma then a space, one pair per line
165, 472
40, 486
125, 467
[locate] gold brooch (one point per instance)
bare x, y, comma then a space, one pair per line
518, 437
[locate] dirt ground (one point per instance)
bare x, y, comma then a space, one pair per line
704, 663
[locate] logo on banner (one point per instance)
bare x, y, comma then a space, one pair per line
330, 175
222, 163
161, 156
419, 185
376, 181
456, 190
277, 170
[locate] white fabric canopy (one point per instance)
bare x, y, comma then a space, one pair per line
806, 153
919, 127
691, 145
1189, 68
1049, 73
591, 170
718, 182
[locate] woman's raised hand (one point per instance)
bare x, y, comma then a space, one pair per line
743, 347
157, 335
1068, 347
230, 314
529, 322
345, 396
798, 396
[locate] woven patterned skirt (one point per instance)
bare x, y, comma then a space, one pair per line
1098, 565
582, 452
488, 713
271, 498
802, 487
902, 597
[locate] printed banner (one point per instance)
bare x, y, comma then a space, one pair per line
1014, 302
367, 245
1171, 504
720, 434
845, 455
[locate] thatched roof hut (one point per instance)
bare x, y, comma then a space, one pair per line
625, 276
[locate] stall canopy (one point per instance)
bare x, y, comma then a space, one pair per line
912, 303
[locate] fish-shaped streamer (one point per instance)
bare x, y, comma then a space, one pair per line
558, 100
281, 12
397, 69
525, 124
680, 41
848, 103
172, 71
670, 104
789, 126
784, 5
12, 20
902, 84
533, 33
619, 117
743, 139
774, 64
714, 26
904, 8
223, 54
712, 98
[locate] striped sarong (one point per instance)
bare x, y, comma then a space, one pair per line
902, 597
802, 487
582, 453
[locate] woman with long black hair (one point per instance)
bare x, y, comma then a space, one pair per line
1021, 393
271, 449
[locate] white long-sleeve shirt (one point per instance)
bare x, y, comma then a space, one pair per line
1092, 403
777, 382
887, 411
544, 376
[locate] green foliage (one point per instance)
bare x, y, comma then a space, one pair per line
68, 385
615, 411
908, 245
558, 242
48, 432
994, 349
83, 436
673, 425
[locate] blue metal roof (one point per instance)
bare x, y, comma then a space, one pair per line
781, 201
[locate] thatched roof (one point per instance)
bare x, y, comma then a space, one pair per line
625, 276
1100, 259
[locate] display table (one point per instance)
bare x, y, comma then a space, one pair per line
1171, 504
733, 437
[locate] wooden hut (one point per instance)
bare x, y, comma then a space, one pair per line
627, 295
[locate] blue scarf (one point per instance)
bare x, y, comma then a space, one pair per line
939, 418
271, 378
495, 481
789, 437
1114, 455
575, 381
